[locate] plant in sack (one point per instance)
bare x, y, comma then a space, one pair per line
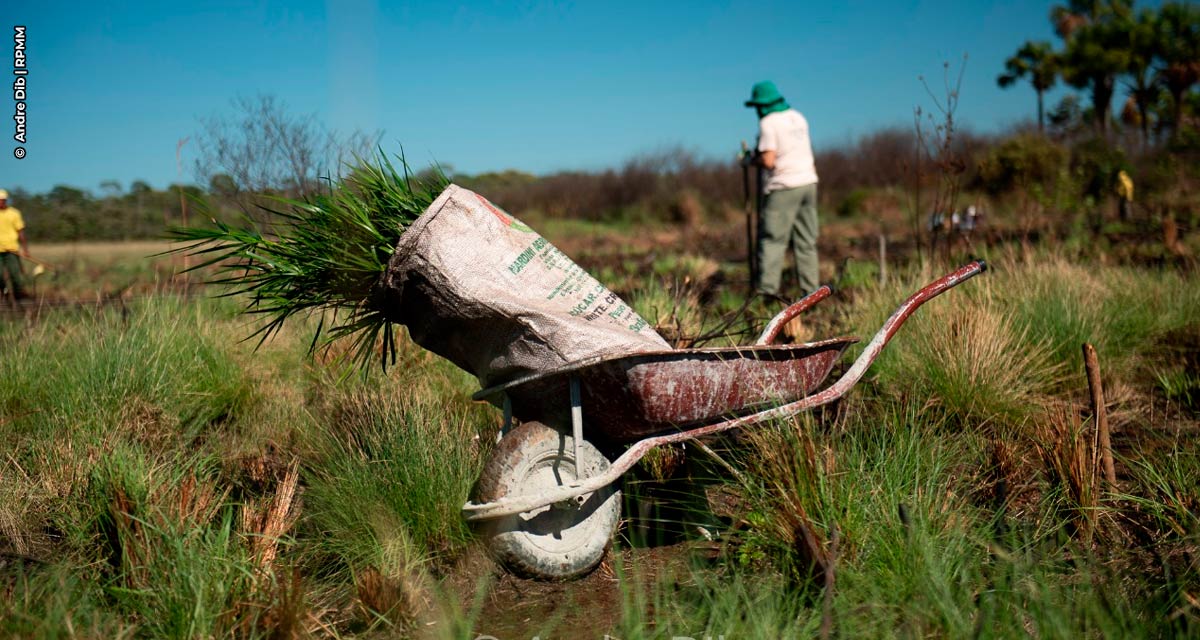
324, 253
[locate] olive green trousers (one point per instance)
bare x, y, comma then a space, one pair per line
789, 215
10, 272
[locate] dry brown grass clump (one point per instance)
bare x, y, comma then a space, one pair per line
265, 521
1069, 454
972, 360
138, 519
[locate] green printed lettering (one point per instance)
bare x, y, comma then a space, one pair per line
522, 260
582, 305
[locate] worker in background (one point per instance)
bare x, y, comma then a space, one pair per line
12, 246
1124, 194
790, 187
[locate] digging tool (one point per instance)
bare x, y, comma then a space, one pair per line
751, 207
39, 266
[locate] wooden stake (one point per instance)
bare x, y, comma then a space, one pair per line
882, 259
1099, 415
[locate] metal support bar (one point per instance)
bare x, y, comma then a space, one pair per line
577, 424
508, 419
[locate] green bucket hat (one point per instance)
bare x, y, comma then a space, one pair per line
764, 94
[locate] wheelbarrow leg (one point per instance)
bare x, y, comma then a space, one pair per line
506, 426
576, 424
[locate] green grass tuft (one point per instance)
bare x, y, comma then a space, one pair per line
322, 254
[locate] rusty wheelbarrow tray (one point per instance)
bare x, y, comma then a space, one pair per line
662, 397
629, 397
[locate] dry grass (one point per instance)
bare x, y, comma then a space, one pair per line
101, 252
1067, 453
265, 521
973, 360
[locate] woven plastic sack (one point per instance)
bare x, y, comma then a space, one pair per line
483, 290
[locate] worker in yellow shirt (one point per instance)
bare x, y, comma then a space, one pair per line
12, 242
1124, 194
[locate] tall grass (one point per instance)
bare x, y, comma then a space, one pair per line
160, 368
175, 565
58, 603
160, 478
920, 555
78, 388
995, 350
392, 471
147, 457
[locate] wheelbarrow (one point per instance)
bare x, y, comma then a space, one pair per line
547, 501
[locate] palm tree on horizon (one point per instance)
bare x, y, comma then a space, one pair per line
1038, 62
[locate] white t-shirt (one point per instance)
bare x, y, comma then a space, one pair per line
786, 133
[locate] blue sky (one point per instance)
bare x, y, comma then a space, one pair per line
486, 86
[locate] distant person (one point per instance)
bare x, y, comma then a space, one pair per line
12, 245
1124, 194
790, 187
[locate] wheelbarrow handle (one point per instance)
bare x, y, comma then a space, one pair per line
775, 326
891, 326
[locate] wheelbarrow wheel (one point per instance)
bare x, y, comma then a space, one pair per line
560, 541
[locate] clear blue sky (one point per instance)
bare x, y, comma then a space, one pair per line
493, 85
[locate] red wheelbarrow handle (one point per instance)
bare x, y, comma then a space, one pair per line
528, 502
777, 323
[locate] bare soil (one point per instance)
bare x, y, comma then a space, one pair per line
512, 607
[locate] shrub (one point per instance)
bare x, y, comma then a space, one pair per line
1026, 161
1095, 164
853, 203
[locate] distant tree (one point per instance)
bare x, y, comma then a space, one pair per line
1067, 116
262, 147
73, 208
63, 195
1143, 49
1038, 62
1092, 60
1179, 39
1068, 18
1095, 51
1025, 162
222, 184
110, 188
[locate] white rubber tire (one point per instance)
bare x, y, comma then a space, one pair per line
555, 542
